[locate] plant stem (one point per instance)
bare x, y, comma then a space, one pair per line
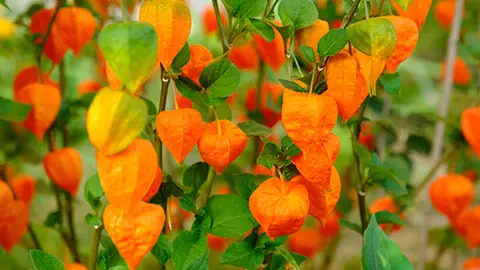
71, 226
438, 141
312, 81
433, 171
161, 107
123, 7
225, 45
361, 191
33, 236
45, 37
258, 106
94, 251
208, 186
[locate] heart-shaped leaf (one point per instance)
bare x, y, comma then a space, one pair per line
130, 50
221, 78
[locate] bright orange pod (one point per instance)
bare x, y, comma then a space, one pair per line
316, 164
6, 193
76, 26
134, 232
217, 243
90, 86
55, 48
172, 21
407, 38
272, 53
179, 130
311, 35
210, 25
13, 223
64, 167
444, 12
462, 75
113, 81
220, 145
472, 225
30, 75
451, 194
417, 11
75, 266
322, 200
24, 186
244, 56
308, 118
469, 125
471, 264
346, 84
306, 242
127, 176
157, 182
280, 207
200, 57
366, 137
331, 227
45, 101
460, 223
389, 205
270, 93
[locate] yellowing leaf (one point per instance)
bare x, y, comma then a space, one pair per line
172, 21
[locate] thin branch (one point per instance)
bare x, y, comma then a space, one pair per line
225, 45
165, 81
260, 78
439, 136
94, 251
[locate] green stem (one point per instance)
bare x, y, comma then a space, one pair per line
71, 226
225, 45
361, 190
312, 81
33, 236
433, 170
92, 265
60, 3
161, 107
258, 106
208, 187
123, 6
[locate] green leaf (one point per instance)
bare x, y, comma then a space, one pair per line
290, 259
162, 249
384, 177
93, 192
152, 110
264, 29
299, 13
188, 247
130, 48
212, 101
420, 144
243, 255
231, 216
195, 175
109, 258
252, 128
376, 37
44, 261
308, 53
84, 101
332, 43
292, 85
472, 39
404, 3
269, 155
181, 59
288, 147
350, 225
391, 218
13, 111
391, 83
187, 202
245, 185
201, 263
264, 242
203, 222
188, 88
380, 252
92, 220
53, 219
221, 78
245, 8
